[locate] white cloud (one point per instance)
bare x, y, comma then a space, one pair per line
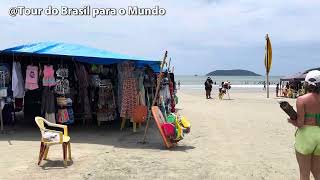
201, 30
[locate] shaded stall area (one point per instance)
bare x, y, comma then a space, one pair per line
86, 83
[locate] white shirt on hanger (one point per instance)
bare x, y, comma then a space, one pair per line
17, 81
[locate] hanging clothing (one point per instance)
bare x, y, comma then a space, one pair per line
18, 102
17, 80
141, 90
125, 70
48, 104
83, 84
48, 76
5, 70
32, 78
129, 98
8, 114
165, 93
65, 113
62, 86
4, 80
51, 117
63, 116
106, 102
172, 100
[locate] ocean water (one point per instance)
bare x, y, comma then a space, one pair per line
197, 82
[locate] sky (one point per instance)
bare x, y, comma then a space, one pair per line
200, 36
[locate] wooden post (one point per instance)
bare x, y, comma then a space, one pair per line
267, 85
159, 79
1, 119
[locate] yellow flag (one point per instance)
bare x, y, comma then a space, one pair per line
268, 54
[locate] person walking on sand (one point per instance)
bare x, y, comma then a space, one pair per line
264, 85
179, 84
307, 137
208, 87
277, 90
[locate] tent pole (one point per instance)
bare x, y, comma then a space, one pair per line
267, 85
1, 120
159, 79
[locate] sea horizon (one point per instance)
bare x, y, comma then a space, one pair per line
197, 82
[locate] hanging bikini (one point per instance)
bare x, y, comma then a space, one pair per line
48, 76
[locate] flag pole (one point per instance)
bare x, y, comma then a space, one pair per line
267, 62
159, 79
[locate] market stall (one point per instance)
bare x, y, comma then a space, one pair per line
67, 83
291, 86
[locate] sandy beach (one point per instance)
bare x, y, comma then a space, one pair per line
247, 137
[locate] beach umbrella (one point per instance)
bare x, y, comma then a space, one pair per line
268, 60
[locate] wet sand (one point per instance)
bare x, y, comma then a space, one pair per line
247, 137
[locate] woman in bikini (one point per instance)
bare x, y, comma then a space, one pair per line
307, 140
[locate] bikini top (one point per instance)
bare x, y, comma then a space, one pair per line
316, 116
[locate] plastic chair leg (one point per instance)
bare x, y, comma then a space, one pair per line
46, 153
42, 150
41, 144
64, 148
69, 150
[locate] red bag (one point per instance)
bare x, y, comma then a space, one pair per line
168, 129
140, 114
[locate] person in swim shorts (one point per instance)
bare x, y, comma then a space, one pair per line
307, 138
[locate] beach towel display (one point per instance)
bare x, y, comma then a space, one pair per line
32, 78
17, 81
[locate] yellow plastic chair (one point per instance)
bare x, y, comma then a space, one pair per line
60, 138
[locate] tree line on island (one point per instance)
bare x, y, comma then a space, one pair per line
233, 72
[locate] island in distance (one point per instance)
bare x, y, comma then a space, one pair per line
234, 72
